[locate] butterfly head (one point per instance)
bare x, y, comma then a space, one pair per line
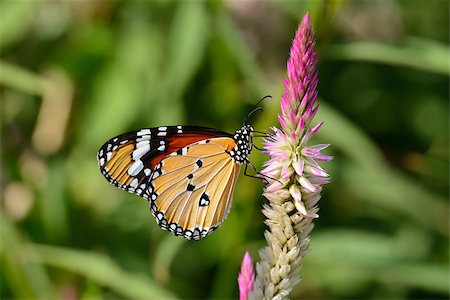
243, 137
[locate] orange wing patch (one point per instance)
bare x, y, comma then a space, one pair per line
193, 188
119, 164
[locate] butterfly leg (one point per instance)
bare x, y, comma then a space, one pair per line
249, 175
257, 148
261, 176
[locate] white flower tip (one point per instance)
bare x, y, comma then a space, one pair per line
316, 171
295, 192
312, 215
306, 184
301, 207
298, 165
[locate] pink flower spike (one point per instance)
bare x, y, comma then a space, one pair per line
296, 178
246, 277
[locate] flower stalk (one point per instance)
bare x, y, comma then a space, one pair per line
295, 179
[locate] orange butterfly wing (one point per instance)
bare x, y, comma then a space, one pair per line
192, 190
129, 159
187, 173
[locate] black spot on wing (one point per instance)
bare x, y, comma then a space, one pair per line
204, 200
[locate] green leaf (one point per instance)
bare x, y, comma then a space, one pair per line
26, 280
101, 269
414, 53
376, 182
187, 41
17, 17
18, 78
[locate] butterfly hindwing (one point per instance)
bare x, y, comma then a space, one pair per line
192, 190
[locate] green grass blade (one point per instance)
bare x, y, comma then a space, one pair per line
103, 270
15, 77
415, 53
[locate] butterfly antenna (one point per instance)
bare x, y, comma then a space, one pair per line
255, 108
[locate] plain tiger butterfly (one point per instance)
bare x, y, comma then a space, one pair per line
186, 173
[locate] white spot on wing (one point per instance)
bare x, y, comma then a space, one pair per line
139, 152
143, 138
143, 132
135, 168
142, 143
134, 182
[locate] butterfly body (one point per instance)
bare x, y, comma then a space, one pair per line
187, 173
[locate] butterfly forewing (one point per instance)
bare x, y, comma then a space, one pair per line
129, 158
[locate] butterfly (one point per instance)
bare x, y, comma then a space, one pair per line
186, 173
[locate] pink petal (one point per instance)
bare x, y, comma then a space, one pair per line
246, 277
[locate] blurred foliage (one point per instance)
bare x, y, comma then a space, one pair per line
75, 73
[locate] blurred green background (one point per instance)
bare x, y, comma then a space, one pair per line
76, 73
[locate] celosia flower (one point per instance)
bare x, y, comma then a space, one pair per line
246, 277
294, 176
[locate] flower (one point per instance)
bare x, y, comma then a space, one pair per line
246, 277
294, 177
